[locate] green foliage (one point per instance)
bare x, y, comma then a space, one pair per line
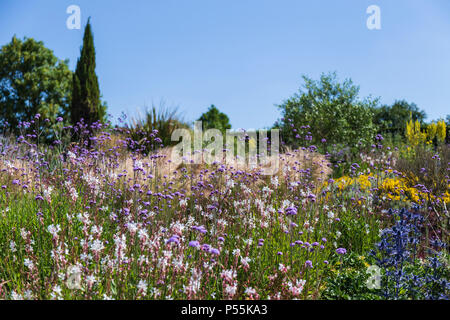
358, 229
32, 81
347, 280
86, 102
332, 110
391, 120
214, 119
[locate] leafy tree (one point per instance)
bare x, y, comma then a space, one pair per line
86, 102
214, 119
32, 81
327, 109
391, 120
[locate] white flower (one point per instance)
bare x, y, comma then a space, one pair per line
28, 263
48, 192
96, 230
90, 280
230, 290
274, 181
330, 215
97, 246
250, 291
132, 227
56, 293
142, 286
12, 246
245, 261
236, 252
53, 230
71, 155
16, 296
142, 234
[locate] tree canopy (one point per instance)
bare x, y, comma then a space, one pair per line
392, 119
32, 81
327, 109
214, 119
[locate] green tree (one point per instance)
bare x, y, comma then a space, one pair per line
86, 102
328, 110
214, 119
32, 81
391, 120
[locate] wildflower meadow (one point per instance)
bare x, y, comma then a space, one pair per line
99, 220
342, 198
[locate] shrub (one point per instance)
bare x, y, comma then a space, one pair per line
329, 110
348, 279
154, 129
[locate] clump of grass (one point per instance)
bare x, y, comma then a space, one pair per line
154, 129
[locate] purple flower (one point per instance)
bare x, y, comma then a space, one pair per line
341, 251
308, 264
200, 229
291, 211
173, 238
215, 251
206, 247
194, 244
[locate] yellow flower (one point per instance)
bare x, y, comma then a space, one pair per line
441, 131
431, 131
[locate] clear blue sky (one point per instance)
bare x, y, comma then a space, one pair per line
246, 56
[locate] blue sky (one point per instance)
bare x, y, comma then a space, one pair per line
246, 56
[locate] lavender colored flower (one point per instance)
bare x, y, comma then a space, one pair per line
174, 239
194, 244
290, 211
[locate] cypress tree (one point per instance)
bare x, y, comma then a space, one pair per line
86, 102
